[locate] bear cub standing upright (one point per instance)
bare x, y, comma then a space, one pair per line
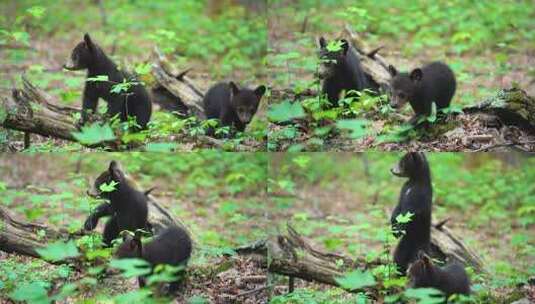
416, 197
340, 71
172, 246
128, 206
434, 82
135, 102
232, 105
450, 279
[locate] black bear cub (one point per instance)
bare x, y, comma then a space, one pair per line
450, 279
434, 82
232, 105
172, 246
128, 206
87, 55
416, 197
340, 71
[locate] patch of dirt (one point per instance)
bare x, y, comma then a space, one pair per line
244, 281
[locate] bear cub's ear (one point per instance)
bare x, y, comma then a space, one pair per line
417, 74
345, 46
260, 91
89, 42
392, 70
234, 88
115, 171
322, 42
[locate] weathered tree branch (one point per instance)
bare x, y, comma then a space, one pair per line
373, 64
32, 110
183, 87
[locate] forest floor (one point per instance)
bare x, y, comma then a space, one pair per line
480, 73
341, 210
218, 221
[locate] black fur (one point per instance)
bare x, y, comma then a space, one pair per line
135, 102
416, 197
128, 207
233, 106
433, 82
172, 246
450, 279
341, 71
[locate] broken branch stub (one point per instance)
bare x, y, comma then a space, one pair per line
181, 87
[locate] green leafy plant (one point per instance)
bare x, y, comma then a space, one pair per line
58, 251
356, 279
94, 134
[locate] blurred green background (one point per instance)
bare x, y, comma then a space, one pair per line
489, 44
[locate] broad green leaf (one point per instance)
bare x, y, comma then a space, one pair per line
161, 147
121, 87
131, 267
94, 134
22, 37
228, 208
164, 274
143, 69
356, 279
285, 111
67, 290
334, 46
33, 293
302, 161
425, 295
404, 218
58, 251
36, 11
108, 187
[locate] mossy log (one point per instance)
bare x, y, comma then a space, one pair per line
512, 106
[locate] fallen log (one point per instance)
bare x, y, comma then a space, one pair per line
289, 254
292, 255
32, 110
512, 106
506, 121
17, 236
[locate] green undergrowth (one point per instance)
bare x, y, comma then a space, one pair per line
487, 198
217, 196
